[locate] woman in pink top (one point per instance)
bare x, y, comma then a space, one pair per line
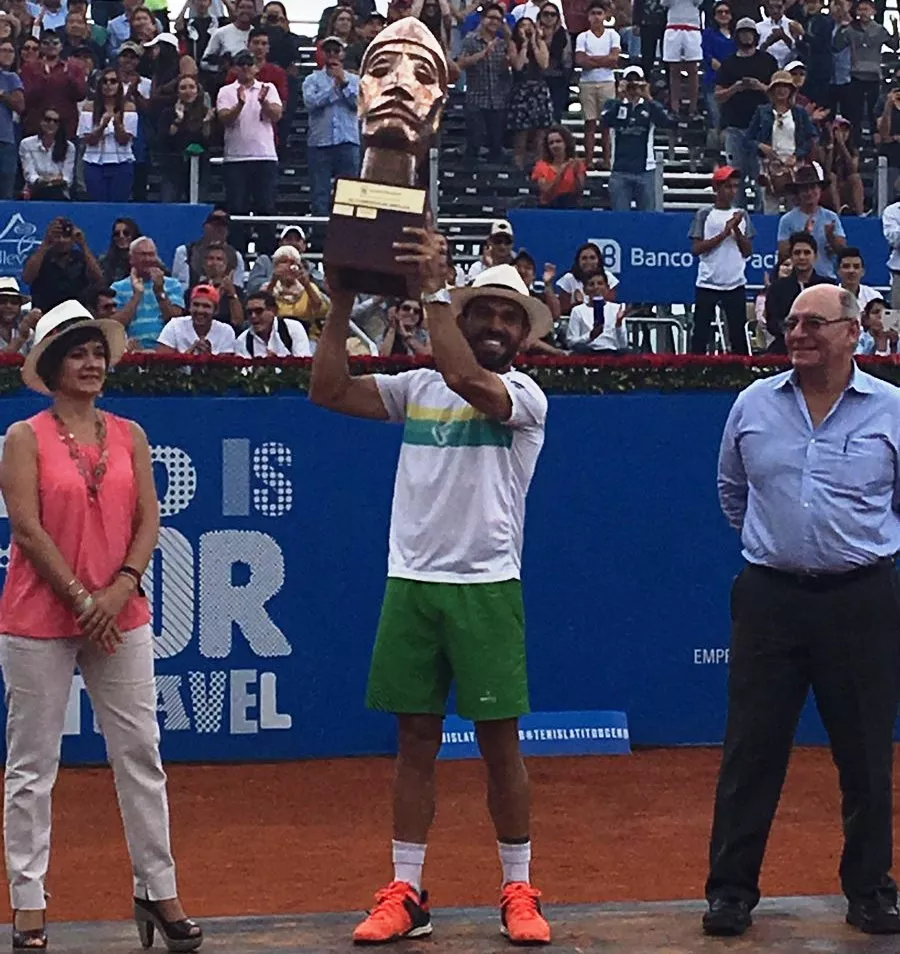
82, 505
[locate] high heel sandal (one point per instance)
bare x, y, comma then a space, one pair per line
183, 935
34, 939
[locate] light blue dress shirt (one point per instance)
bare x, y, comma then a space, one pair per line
823, 499
332, 111
147, 322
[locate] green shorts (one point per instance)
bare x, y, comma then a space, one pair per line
431, 634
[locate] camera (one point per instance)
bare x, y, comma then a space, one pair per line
65, 228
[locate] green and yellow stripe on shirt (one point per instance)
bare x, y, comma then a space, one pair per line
453, 427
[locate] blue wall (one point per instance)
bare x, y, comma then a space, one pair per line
650, 252
627, 568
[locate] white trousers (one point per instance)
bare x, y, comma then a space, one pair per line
38, 677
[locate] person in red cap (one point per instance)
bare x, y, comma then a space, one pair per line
723, 241
199, 332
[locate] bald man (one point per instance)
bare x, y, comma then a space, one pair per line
808, 475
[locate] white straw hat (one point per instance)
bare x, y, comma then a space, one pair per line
62, 319
9, 287
504, 281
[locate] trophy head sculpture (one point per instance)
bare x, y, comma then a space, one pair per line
402, 92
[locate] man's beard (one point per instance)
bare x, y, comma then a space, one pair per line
492, 360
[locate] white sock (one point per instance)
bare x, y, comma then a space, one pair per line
515, 860
409, 859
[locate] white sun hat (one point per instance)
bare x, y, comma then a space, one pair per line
62, 319
9, 287
504, 281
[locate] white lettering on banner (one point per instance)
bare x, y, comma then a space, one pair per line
175, 557
275, 498
18, 239
610, 254
711, 657
181, 486
222, 603
644, 258
207, 695
217, 586
764, 263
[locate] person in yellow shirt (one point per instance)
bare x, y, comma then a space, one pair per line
295, 292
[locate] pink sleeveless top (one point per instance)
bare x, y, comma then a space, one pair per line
94, 536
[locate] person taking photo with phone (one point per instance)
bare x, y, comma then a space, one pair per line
62, 266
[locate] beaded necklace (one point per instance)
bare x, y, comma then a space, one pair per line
93, 476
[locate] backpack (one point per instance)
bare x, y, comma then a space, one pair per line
283, 333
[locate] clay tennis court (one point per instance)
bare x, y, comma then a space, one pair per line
295, 837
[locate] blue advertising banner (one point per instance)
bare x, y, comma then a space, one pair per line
650, 252
24, 224
267, 583
547, 733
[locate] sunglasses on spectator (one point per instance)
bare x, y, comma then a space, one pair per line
501, 240
415, 309
121, 233
109, 80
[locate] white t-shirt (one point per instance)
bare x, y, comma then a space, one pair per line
275, 347
581, 324
179, 333
784, 138
569, 283
593, 45
867, 294
780, 50
724, 268
459, 496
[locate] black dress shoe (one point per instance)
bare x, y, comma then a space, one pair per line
878, 916
727, 917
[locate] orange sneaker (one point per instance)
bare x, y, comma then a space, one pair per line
520, 915
400, 911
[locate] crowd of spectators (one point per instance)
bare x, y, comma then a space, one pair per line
87, 107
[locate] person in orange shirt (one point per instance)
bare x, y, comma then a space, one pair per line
558, 174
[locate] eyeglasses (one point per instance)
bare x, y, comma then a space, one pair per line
110, 81
121, 233
814, 323
415, 309
253, 312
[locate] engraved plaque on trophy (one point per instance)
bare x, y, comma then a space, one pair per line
366, 219
402, 92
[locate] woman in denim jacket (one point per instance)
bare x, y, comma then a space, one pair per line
785, 135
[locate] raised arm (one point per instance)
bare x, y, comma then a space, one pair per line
332, 385
462, 373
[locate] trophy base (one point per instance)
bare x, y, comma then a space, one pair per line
368, 282
366, 220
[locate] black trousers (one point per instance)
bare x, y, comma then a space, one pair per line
734, 304
840, 637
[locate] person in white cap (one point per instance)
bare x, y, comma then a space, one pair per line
742, 84
498, 250
16, 329
261, 273
78, 486
633, 118
474, 428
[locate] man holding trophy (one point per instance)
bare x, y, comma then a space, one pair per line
473, 430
